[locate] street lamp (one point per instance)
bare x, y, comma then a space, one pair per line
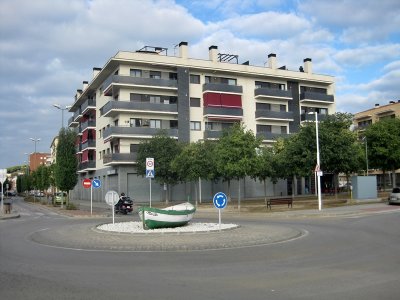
35, 141
366, 151
58, 106
317, 169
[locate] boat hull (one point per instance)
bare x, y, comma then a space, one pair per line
174, 216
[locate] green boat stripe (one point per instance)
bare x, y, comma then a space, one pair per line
167, 212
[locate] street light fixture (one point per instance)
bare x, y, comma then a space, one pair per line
58, 106
35, 141
317, 169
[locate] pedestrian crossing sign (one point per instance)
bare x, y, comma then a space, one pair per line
149, 173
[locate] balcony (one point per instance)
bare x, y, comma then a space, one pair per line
72, 122
311, 117
135, 132
222, 87
273, 93
274, 115
88, 105
316, 97
223, 112
212, 134
87, 166
78, 148
138, 82
77, 115
88, 144
119, 158
269, 136
88, 124
113, 108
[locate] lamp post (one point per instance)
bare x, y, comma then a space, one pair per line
317, 169
58, 106
35, 141
366, 151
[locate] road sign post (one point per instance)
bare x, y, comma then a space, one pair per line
150, 172
112, 198
3, 176
96, 183
87, 183
220, 201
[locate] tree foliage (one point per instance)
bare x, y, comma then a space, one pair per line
65, 170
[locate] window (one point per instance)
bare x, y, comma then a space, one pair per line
173, 76
209, 125
135, 122
135, 97
173, 124
194, 102
194, 125
264, 128
282, 107
207, 79
116, 123
155, 99
194, 79
134, 148
155, 123
136, 73
283, 129
269, 85
263, 106
155, 74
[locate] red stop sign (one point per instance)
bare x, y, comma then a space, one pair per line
87, 183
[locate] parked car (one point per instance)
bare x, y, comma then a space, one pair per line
58, 196
394, 196
39, 194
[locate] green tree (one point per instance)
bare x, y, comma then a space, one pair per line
235, 154
66, 167
196, 161
163, 149
384, 145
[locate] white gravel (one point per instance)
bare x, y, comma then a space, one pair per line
136, 227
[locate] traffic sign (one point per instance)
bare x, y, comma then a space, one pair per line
149, 173
96, 183
220, 200
3, 175
111, 197
149, 163
87, 183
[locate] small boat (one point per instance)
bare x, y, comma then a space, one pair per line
173, 216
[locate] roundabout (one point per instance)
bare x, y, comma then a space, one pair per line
130, 237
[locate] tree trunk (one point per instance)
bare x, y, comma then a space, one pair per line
265, 191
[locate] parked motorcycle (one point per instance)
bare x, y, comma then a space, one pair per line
124, 205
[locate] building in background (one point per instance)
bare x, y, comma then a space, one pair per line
138, 93
370, 116
37, 159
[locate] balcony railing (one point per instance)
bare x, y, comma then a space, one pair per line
139, 81
271, 136
88, 104
273, 93
128, 132
311, 117
223, 111
222, 87
88, 144
312, 96
119, 158
88, 165
77, 115
88, 124
111, 108
276, 115
212, 134
72, 122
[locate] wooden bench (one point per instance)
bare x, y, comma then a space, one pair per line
288, 201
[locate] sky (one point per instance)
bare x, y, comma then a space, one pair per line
48, 47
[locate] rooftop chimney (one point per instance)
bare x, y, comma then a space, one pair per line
272, 60
183, 49
85, 85
96, 71
213, 53
308, 65
376, 104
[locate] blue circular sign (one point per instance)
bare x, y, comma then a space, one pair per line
96, 183
220, 200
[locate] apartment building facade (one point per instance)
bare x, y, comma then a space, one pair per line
365, 118
138, 93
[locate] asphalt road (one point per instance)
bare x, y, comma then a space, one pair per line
348, 257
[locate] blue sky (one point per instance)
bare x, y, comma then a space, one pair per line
48, 47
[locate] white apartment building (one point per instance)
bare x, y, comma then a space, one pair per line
137, 93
